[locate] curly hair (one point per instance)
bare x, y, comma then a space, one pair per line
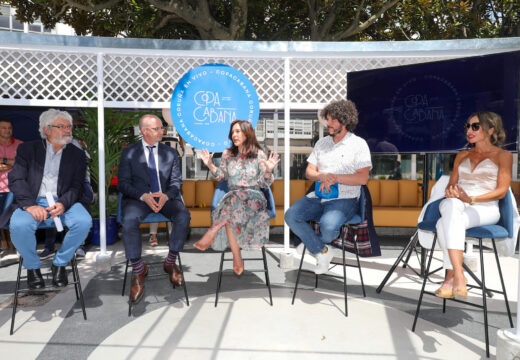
251, 144
344, 111
490, 120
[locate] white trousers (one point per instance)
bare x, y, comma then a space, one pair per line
456, 217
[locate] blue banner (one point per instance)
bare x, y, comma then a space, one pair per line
207, 100
423, 107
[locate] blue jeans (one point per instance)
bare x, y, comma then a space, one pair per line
23, 228
331, 215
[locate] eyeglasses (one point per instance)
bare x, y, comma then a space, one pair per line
156, 128
62, 127
474, 126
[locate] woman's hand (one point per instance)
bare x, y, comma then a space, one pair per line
452, 191
206, 157
463, 196
455, 191
271, 162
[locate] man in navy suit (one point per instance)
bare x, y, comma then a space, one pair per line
150, 181
48, 166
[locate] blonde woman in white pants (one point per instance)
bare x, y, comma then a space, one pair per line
480, 177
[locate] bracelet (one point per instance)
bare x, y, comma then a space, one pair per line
472, 200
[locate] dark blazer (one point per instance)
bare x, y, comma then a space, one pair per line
26, 177
133, 178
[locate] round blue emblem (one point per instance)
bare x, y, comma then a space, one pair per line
207, 100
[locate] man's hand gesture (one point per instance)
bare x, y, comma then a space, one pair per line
161, 199
327, 180
39, 213
56, 210
150, 201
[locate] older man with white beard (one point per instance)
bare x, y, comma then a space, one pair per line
50, 165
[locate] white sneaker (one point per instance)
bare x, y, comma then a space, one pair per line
323, 261
299, 248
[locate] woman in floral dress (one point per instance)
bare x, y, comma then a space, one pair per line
240, 218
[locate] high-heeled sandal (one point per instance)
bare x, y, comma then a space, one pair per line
444, 293
461, 292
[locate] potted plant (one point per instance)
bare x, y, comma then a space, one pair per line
118, 133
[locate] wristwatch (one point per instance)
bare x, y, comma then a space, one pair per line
472, 200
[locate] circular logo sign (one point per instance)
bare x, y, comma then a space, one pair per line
207, 100
425, 109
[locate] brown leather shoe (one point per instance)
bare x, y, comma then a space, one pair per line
176, 277
137, 289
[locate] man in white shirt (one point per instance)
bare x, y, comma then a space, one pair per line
150, 181
340, 160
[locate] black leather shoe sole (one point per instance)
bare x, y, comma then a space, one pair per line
59, 276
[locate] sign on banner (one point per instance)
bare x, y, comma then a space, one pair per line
207, 100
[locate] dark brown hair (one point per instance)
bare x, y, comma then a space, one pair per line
344, 111
250, 143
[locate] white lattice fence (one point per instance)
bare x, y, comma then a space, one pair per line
320, 80
148, 81
40, 75
152, 79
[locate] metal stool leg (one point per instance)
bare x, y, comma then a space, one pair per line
124, 280
219, 281
129, 303
344, 275
182, 272
502, 282
74, 279
424, 283
414, 240
75, 271
298, 276
359, 267
267, 275
17, 287
408, 246
484, 300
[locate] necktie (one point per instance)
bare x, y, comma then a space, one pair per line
154, 181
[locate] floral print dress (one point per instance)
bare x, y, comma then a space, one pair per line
244, 206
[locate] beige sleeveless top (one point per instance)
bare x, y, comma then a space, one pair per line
481, 180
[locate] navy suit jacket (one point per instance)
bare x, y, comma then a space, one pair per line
133, 178
25, 178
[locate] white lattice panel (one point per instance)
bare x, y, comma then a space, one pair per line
70, 77
39, 75
316, 80
153, 78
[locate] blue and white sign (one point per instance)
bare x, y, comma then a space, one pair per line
207, 100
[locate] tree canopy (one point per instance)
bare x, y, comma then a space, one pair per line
317, 20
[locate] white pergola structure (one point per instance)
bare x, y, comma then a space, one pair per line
71, 71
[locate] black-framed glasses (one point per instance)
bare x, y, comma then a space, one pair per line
62, 127
474, 126
156, 128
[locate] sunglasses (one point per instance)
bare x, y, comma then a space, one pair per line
474, 126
